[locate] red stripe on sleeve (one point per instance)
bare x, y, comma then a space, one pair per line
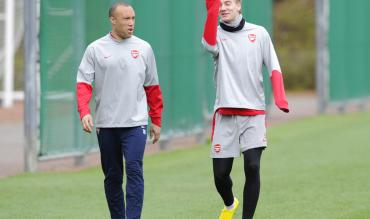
155, 103
210, 27
279, 91
84, 94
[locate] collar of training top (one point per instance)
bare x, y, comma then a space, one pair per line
233, 29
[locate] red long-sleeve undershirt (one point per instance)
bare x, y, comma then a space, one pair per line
153, 94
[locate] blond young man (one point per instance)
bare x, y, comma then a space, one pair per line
239, 50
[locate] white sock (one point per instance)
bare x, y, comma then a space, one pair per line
230, 207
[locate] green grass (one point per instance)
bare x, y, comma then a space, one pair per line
316, 168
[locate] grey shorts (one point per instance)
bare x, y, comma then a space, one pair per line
233, 135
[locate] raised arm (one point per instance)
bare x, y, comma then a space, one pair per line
209, 39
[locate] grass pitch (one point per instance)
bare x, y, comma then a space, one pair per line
314, 168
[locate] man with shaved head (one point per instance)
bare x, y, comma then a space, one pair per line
239, 50
124, 70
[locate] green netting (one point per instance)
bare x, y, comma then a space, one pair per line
349, 44
173, 28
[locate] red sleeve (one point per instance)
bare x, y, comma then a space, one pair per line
84, 93
279, 91
210, 27
155, 103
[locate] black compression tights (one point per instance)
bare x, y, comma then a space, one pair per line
221, 170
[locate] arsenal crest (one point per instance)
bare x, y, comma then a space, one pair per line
252, 37
135, 53
217, 148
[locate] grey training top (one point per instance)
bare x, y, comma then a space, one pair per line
120, 70
239, 57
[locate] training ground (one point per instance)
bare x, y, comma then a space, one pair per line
316, 167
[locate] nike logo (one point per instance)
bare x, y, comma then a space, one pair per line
107, 56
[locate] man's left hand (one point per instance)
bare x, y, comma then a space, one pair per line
155, 133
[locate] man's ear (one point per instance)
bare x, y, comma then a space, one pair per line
112, 20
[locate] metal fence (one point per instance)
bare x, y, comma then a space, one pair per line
349, 46
342, 44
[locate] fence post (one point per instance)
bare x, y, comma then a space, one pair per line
30, 85
9, 54
322, 58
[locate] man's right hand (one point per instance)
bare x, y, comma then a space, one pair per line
87, 123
